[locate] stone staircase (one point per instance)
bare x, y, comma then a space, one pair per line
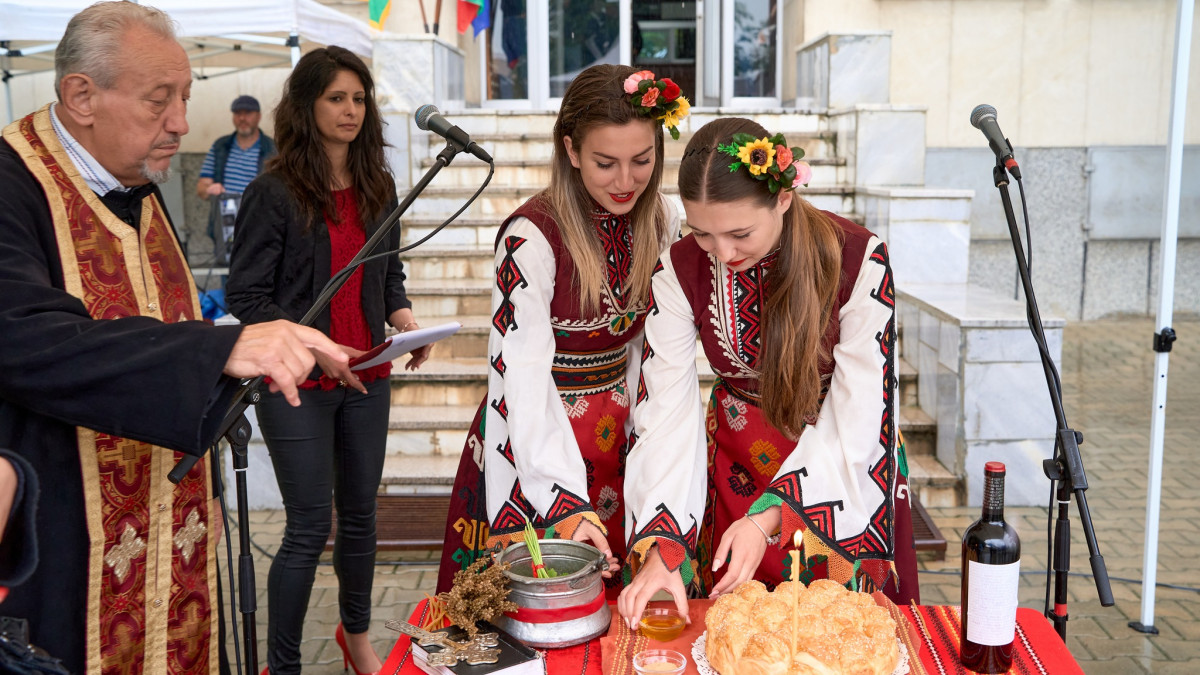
450, 276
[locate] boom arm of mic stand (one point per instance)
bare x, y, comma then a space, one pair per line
1067, 464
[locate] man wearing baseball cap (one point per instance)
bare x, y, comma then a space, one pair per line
235, 160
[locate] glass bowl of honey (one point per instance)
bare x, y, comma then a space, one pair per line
659, 661
661, 623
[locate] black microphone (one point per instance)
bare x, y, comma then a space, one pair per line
983, 118
429, 118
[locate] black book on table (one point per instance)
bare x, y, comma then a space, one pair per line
515, 657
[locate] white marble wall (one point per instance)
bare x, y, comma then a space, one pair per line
882, 144
980, 377
842, 70
411, 71
928, 232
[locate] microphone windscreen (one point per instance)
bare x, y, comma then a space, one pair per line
423, 114
981, 111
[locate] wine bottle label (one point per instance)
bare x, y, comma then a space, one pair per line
992, 602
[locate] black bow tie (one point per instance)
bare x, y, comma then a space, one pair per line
131, 195
123, 202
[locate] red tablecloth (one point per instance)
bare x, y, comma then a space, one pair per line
934, 639
1038, 648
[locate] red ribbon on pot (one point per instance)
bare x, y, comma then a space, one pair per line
528, 615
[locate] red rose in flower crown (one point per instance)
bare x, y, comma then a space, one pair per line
672, 91
659, 99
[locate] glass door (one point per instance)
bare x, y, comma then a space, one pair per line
535, 48
663, 41
711, 18
505, 57
751, 53
582, 33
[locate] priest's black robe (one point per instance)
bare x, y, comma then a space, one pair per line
134, 377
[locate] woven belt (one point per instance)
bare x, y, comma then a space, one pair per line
588, 372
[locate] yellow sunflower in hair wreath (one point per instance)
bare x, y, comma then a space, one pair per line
659, 99
768, 159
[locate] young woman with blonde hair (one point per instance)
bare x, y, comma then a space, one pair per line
795, 310
573, 268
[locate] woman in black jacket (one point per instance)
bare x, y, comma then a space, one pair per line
321, 198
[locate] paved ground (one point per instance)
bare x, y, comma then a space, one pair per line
1107, 371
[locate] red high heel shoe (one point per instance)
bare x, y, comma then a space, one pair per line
339, 636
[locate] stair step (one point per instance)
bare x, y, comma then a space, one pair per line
458, 262
437, 300
908, 383
404, 474
926, 535
499, 200
536, 171
933, 484
919, 431
534, 163
431, 417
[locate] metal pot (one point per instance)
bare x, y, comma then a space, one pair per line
576, 593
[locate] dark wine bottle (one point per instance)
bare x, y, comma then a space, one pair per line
991, 564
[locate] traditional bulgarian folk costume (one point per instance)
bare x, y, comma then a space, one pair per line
126, 581
548, 443
841, 484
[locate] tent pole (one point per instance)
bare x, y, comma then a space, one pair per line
294, 43
8, 96
1166, 299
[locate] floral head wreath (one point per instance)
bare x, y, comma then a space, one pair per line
659, 99
769, 159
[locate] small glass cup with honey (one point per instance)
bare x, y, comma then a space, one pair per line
662, 623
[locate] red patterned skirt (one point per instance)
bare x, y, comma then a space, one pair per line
598, 420
744, 454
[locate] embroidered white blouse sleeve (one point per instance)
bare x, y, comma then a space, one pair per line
666, 470
543, 445
633, 367
839, 451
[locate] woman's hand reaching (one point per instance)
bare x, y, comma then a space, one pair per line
744, 544
651, 578
588, 532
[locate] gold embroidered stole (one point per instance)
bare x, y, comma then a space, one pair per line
151, 575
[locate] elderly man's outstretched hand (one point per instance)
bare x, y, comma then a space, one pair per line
280, 350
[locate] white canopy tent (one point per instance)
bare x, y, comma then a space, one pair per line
267, 31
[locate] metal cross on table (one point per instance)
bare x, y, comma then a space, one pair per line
478, 650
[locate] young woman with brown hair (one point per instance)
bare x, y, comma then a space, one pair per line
795, 310
573, 268
302, 221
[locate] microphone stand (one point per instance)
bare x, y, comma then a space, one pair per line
1066, 467
236, 428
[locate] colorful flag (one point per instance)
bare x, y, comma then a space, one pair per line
474, 13
378, 10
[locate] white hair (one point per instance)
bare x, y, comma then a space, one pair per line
92, 42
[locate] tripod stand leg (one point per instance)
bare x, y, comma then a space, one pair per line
239, 440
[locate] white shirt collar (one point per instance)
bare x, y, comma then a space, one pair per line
94, 174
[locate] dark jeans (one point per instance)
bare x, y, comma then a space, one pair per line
333, 443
